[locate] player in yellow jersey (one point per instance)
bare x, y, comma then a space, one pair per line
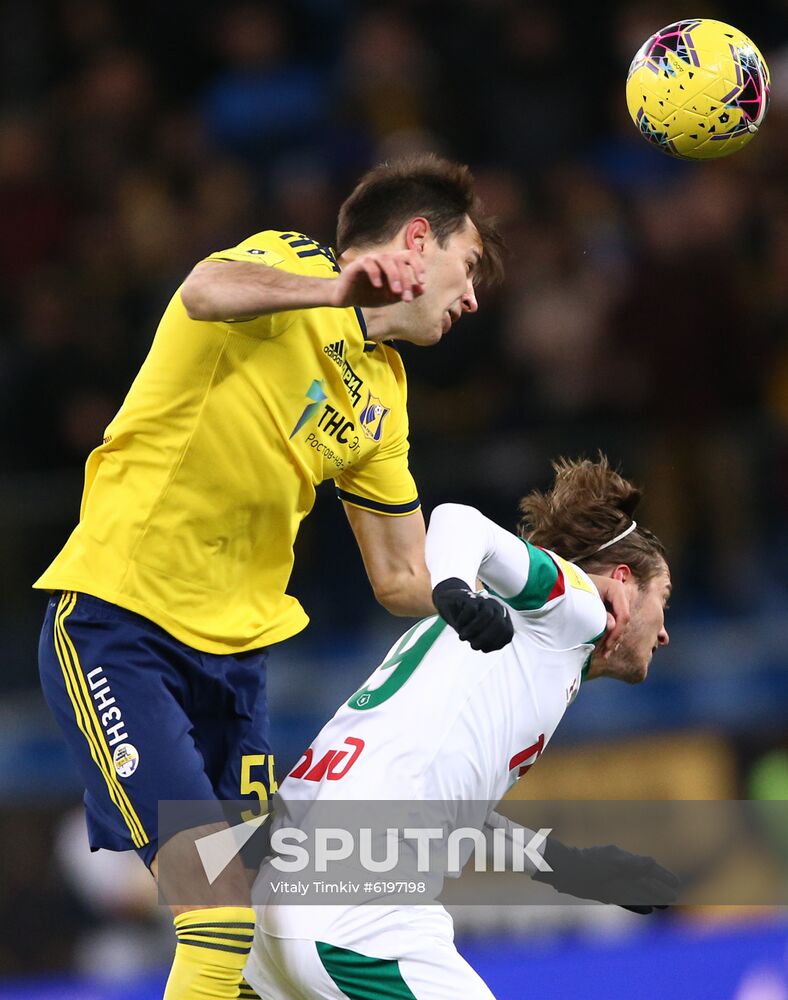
269, 373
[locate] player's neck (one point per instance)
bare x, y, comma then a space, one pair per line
378, 323
381, 322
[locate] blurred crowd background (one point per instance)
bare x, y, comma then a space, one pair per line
645, 313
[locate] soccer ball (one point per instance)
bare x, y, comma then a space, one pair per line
698, 89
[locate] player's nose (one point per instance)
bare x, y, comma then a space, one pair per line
663, 638
469, 303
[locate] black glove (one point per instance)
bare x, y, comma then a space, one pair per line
478, 619
609, 875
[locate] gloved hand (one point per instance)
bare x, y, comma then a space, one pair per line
477, 618
609, 875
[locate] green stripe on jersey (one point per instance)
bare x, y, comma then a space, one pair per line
587, 664
361, 977
402, 666
542, 574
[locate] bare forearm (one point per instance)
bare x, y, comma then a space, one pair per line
223, 290
408, 595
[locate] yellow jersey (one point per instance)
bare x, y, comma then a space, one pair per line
192, 503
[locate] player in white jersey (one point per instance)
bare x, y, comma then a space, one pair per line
441, 719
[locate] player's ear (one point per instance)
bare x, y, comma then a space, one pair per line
622, 572
416, 233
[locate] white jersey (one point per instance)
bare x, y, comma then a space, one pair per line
438, 720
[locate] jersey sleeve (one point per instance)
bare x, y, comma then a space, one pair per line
265, 249
463, 543
292, 252
383, 484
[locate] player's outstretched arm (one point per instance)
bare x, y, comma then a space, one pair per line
604, 874
234, 290
463, 543
609, 875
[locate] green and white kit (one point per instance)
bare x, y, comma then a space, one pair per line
435, 721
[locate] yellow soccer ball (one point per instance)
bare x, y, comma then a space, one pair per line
698, 89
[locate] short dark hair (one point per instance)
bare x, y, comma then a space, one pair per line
392, 193
589, 504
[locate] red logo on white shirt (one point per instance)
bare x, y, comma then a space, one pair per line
332, 765
519, 759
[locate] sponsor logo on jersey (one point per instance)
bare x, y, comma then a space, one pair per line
125, 758
336, 351
265, 256
316, 395
525, 759
336, 425
332, 422
353, 383
333, 765
372, 417
573, 576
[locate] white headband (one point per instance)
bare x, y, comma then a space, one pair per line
624, 533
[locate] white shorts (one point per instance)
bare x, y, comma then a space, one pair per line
430, 968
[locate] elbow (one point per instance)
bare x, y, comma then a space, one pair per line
452, 509
389, 596
405, 596
196, 298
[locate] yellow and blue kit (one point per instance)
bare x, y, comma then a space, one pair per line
192, 503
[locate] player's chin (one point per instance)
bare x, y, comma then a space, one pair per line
630, 671
432, 336
638, 672
444, 324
